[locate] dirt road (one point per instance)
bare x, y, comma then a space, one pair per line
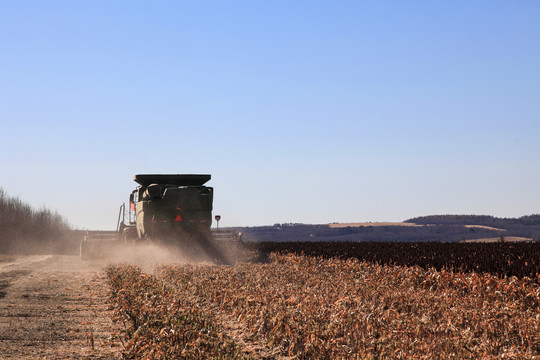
55, 307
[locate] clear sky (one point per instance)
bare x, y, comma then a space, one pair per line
302, 111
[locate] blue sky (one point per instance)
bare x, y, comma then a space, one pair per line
302, 111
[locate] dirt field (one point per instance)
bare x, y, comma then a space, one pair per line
55, 307
497, 239
377, 224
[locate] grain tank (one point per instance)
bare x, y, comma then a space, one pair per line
172, 208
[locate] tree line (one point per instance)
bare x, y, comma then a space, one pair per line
24, 229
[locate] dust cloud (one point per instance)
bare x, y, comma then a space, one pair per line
147, 255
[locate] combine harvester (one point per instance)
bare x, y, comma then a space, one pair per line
174, 211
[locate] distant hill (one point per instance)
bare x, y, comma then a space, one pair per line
438, 228
475, 220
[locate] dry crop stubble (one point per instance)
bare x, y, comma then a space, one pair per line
160, 325
312, 308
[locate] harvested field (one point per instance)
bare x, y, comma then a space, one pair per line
55, 307
294, 301
311, 308
498, 239
366, 224
483, 227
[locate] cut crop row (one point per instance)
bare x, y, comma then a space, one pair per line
315, 308
160, 325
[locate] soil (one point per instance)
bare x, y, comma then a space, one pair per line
55, 307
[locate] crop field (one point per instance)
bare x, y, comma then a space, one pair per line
506, 259
297, 306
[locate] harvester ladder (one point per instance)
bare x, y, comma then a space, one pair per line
126, 218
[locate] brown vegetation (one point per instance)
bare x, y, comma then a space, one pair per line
312, 308
26, 230
160, 324
503, 259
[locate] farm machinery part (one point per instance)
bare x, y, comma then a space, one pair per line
173, 210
